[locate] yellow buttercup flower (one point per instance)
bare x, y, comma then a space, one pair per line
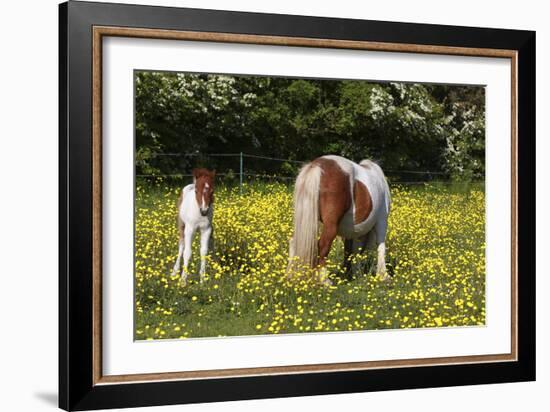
435, 254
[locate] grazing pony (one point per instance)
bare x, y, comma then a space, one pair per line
351, 200
195, 211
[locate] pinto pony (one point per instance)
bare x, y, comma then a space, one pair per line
195, 212
350, 200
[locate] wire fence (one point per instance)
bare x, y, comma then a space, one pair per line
394, 176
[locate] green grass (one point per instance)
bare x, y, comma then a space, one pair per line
436, 254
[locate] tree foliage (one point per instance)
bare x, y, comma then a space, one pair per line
440, 128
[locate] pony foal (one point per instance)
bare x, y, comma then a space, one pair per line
195, 212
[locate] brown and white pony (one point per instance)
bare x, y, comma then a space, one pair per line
350, 200
195, 212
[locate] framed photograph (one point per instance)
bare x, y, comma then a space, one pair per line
256, 205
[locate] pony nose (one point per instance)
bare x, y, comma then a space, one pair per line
204, 210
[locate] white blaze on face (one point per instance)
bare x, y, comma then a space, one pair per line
204, 191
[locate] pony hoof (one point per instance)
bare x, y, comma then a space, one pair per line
326, 282
385, 278
323, 278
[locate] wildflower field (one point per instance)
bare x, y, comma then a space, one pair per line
435, 254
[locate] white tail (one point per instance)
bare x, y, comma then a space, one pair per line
306, 215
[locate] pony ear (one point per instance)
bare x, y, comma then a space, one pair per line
195, 173
213, 173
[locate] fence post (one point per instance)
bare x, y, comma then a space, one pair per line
241, 173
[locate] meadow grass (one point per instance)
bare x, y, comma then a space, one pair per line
435, 253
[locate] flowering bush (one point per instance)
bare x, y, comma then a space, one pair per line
406, 126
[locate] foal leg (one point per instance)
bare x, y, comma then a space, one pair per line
189, 232
211, 242
181, 229
205, 242
380, 241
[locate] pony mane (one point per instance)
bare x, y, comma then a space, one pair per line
201, 171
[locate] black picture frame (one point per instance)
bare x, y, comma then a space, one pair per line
77, 390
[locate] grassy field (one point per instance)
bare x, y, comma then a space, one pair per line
436, 254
